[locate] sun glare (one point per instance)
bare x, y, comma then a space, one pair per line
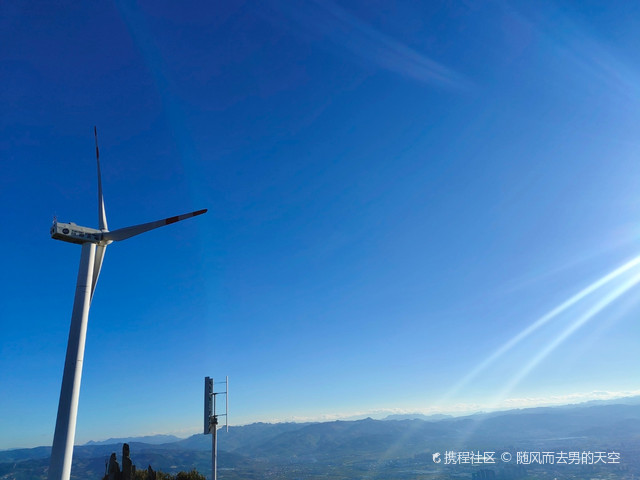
512, 342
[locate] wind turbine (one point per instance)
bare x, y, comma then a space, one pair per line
94, 243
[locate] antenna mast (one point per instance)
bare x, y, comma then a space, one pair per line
211, 419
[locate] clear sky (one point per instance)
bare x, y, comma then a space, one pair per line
409, 204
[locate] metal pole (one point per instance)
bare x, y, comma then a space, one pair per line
65, 432
214, 448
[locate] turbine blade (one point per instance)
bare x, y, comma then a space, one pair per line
97, 265
128, 232
102, 215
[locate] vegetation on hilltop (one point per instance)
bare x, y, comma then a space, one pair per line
192, 475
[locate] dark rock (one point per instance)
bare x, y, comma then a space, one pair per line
113, 472
127, 470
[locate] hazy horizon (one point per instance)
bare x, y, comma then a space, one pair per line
512, 405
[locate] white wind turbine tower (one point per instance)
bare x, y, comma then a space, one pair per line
94, 243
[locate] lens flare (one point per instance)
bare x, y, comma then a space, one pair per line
566, 333
542, 321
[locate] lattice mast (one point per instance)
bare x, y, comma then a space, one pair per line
211, 418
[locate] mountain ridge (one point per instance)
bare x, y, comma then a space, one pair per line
342, 448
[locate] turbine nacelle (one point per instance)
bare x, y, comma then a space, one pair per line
72, 233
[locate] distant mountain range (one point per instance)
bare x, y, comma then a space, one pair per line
417, 416
150, 439
346, 449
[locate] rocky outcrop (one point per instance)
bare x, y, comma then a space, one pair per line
128, 468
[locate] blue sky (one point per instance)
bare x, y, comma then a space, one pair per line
405, 201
